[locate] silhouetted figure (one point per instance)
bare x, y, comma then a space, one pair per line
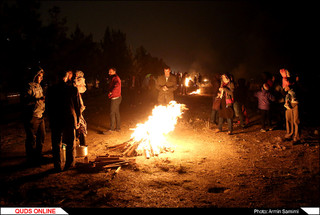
215, 88
63, 106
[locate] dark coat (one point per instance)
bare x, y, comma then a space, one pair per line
225, 111
165, 97
226, 108
63, 105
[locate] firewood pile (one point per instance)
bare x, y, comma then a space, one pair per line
121, 155
110, 162
130, 149
127, 149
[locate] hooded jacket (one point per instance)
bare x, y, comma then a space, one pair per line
33, 98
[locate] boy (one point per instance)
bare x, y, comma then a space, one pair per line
292, 114
264, 99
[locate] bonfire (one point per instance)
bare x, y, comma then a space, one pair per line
149, 138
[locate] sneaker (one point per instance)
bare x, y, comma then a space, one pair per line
107, 132
296, 142
287, 137
69, 167
263, 130
217, 130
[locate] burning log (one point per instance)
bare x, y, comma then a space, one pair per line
131, 150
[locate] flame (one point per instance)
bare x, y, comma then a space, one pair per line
195, 92
151, 134
187, 81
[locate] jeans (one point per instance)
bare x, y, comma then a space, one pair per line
67, 135
115, 113
229, 120
237, 107
213, 116
265, 118
35, 132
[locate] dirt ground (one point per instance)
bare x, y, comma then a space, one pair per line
249, 169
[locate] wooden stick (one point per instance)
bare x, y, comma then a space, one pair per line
118, 169
116, 172
131, 151
99, 159
118, 145
109, 162
132, 147
115, 165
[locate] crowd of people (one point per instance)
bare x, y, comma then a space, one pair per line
64, 106
232, 100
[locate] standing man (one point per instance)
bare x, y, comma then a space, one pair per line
114, 94
166, 84
63, 105
34, 107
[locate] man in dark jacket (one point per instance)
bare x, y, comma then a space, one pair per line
63, 105
166, 84
34, 107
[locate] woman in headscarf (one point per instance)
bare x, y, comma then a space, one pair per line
80, 83
226, 110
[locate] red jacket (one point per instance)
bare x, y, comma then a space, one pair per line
285, 75
114, 87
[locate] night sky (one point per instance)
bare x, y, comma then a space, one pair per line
205, 36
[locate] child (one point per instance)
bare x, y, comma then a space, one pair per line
292, 114
264, 100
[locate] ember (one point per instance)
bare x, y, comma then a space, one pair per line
149, 138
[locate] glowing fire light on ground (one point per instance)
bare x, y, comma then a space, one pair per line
151, 135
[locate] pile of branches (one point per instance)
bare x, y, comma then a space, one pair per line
127, 149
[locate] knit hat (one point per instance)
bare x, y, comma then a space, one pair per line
266, 86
